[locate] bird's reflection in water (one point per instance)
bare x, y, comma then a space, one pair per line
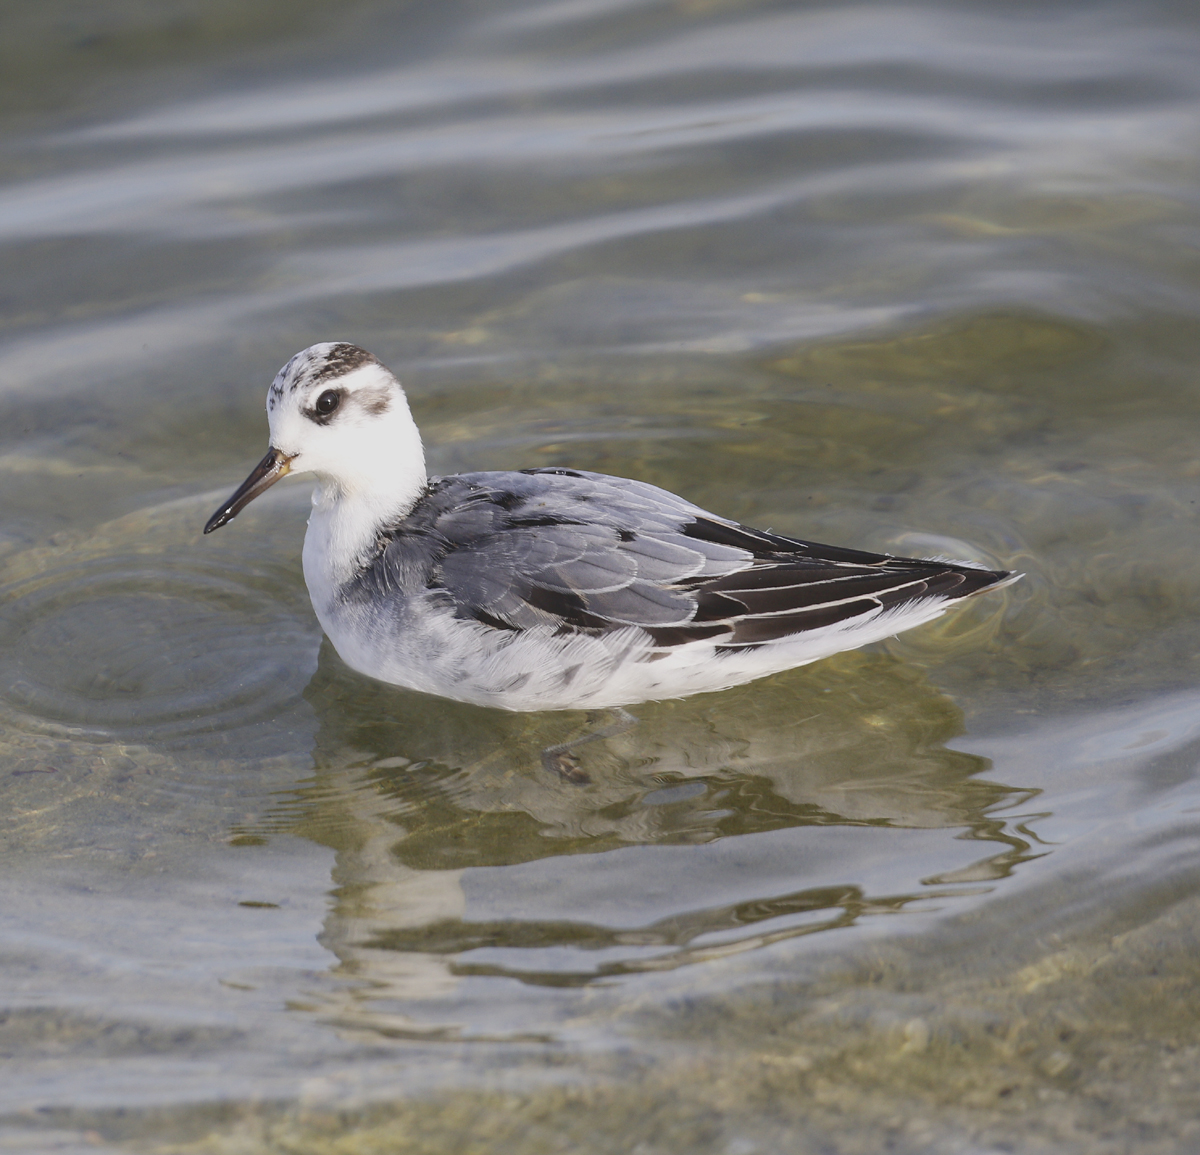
412, 792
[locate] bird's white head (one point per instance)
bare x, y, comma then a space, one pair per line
334, 410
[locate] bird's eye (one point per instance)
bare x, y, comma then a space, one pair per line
328, 402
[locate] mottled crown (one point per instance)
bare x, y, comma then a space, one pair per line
317, 365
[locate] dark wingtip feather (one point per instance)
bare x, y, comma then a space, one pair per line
981, 581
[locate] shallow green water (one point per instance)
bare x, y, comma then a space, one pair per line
921, 279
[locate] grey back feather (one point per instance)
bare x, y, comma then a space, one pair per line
586, 552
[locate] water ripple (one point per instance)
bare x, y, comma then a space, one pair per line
117, 642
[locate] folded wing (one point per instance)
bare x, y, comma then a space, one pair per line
582, 552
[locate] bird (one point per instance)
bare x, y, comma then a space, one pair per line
553, 588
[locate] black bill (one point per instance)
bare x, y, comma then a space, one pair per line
268, 471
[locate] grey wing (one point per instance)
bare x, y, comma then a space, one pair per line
576, 551
584, 552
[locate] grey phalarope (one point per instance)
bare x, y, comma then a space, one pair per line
553, 589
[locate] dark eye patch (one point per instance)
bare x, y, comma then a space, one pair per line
325, 406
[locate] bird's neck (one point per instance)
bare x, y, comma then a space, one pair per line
347, 516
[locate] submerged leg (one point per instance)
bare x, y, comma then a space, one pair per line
561, 760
